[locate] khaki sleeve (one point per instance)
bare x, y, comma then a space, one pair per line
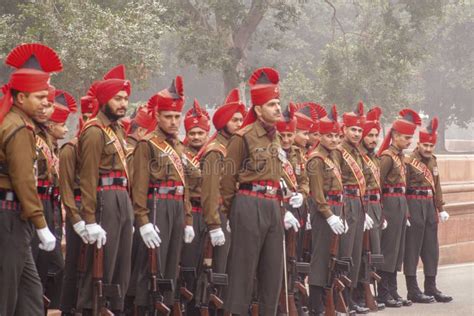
439, 202
236, 153
188, 208
303, 185
212, 164
20, 151
91, 145
385, 167
67, 173
315, 169
141, 177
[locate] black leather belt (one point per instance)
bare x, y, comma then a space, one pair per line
107, 181
178, 190
411, 191
400, 190
258, 188
77, 192
372, 197
45, 190
9, 196
334, 198
195, 202
354, 192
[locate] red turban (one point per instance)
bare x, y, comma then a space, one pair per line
372, 120
288, 124
406, 125
429, 134
197, 117
33, 63
355, 118
171, 99
113, 82
329, 124
64, 104
145, 119
263, 88
224, 113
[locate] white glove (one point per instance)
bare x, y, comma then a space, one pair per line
408, 223
308, 223
150, 235
368, 223
291, 221
95, 233
228, 226
188, 234
217, 237
296, 200
336, 224
47, 239
346, 227
384, 224
443, 216
80, 229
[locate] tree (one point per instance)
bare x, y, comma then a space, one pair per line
90, 39
216, 34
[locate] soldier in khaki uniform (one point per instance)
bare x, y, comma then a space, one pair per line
349, 157
75, 224
106, 206
425, 201
159, 191
395, 208
197, 126
254, 162
325, 204
21, 211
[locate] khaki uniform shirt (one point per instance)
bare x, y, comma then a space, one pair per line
370, 177
97, 155
415, 177
297, 159
348, 177
17, 164
131, 144
251, 156
45, 169
392, 172
151, 165
212, 164
193, 173
69, 179
322, 178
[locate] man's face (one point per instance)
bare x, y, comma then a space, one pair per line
370, 140
35, 105
301, 138
58, 130
234, 123
330, 141
117, 106
287, 139
314, 138
197, 137
426, 149
402, 141
169, 121
270, 112
353, 134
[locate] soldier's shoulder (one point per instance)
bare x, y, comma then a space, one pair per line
215, 146
71, 143
13, 123
243, 131
92, 125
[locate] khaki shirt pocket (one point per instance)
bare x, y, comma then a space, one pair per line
257, 160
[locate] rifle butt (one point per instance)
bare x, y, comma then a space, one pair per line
329, 307
369, 298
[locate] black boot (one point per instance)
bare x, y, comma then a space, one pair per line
316, 304
353, 306
393, 287
414, 292
384, 295
430, 289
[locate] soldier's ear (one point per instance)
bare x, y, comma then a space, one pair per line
258, 110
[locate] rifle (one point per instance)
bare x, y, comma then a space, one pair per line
183, 294
207, 293
369, 261
101, 291
46, 302
337, 280
157, 284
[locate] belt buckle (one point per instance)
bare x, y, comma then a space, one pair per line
9, 196
179, 189
269, 190
125, 182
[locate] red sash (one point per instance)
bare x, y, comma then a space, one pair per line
398, 164
418, 165
356, 170
166, 148
118, 147
329, 163
53, 161
289, 175
373, 168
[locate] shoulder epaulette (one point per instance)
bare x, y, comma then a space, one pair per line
245, 130
92, 122
216, 146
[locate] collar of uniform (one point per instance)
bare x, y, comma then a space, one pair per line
416, 154
322, 151
22, 114
260, 129
395, 150
192, 150
131, 141
349, 147
223, 138
365, 151
104, 119
40, 130
171, 139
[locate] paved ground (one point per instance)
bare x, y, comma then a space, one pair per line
455, 280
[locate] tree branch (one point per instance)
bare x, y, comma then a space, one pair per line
194, 13
248, 26
334, 18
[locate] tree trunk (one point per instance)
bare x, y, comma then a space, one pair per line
441, 142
